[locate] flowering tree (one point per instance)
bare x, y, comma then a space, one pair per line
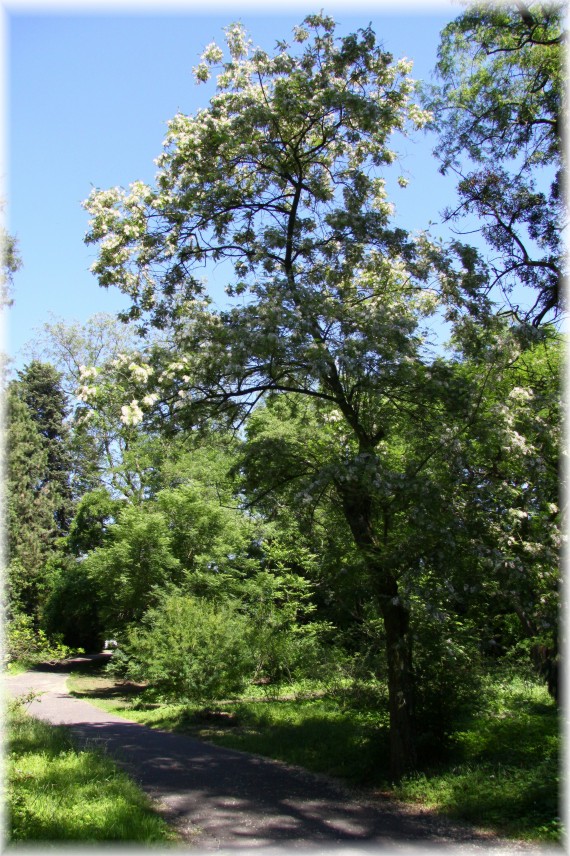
281, 179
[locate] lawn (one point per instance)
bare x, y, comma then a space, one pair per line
58, 793
501, 771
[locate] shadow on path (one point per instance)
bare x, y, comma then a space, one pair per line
221, 798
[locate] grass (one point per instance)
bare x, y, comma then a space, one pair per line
58, 793
500, 774
504, 766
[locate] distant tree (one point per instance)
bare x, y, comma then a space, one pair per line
94, 513
40, 389
30, 505
10, 262
499, 111
69, 347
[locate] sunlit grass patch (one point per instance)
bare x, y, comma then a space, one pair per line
56, 792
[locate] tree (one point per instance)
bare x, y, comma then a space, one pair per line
39, 387
282, 176
10, 262
499, 107
96, 445
31, 528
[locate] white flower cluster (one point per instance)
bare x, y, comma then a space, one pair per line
131, 414
120, 360
419, 117
213, 53
173, 369
87, 372
86, 393
237, 42
84, 417
333, 416
149, 400
521, 394
140, 373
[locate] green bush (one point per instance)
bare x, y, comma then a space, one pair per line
287, 652
189, 649
25, 644
448, 675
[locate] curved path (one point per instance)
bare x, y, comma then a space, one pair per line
224, 800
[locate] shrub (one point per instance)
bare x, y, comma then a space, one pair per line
189, 649
289, 652
25, 644
448, 675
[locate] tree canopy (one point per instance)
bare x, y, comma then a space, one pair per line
499, 108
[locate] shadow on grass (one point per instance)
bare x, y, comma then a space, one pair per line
503, 772
324, 741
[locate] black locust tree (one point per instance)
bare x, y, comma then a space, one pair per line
279, 185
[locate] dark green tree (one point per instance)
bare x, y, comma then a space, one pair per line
39, 386
31, 527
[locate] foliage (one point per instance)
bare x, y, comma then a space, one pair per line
10, 263
25, 644
504, 768
187, 648
31, 529
129, 571
58, 793
94, 512
39, 386
73, 607
500, 105
448, 671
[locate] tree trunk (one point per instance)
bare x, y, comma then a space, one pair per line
357, 506
400, 685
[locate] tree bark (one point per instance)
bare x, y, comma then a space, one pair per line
357, 506
400, 685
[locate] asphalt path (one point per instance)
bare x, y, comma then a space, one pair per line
225, 800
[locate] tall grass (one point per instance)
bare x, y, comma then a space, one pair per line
58, 793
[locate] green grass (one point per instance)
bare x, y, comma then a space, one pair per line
57, 793
504, 767
500, 773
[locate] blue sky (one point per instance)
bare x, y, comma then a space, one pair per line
88, 97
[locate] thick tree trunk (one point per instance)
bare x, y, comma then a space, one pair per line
357, 505
400, 686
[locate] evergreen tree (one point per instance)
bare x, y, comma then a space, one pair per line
40, 389
30, 506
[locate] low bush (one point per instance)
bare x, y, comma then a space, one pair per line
25, 644
447, 681
188, 648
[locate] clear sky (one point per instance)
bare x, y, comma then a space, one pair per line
89, 93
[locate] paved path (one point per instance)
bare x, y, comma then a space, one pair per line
225, 800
